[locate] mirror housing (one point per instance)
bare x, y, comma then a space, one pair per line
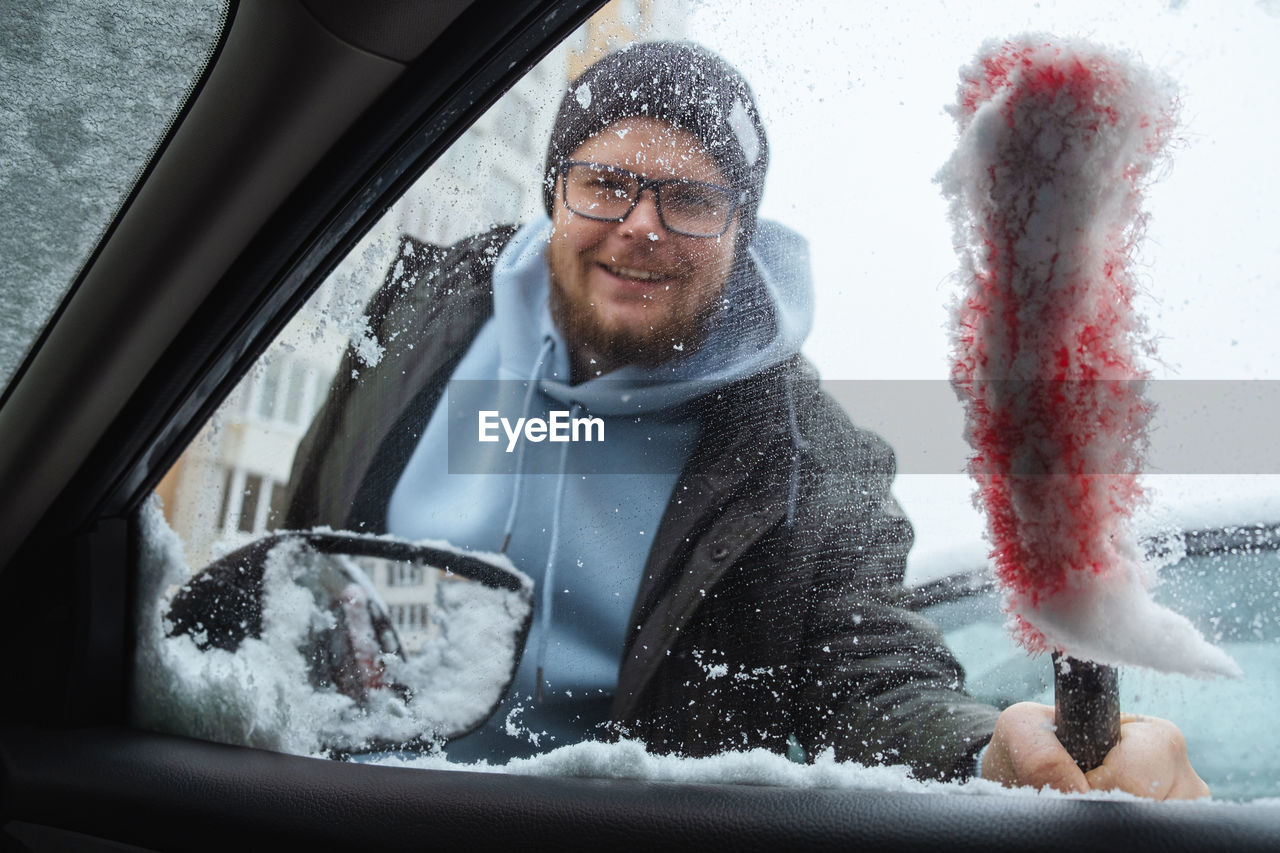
303, 615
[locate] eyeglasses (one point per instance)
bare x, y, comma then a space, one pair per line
609, 194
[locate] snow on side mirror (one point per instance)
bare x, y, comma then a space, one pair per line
291, 643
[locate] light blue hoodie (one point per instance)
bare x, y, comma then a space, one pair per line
578, 517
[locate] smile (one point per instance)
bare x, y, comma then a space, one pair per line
632, 273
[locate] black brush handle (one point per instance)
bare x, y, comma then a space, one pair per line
1086, 698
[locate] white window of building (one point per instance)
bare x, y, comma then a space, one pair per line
251, 502
409, 617
404, 574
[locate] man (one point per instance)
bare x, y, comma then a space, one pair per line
721, 570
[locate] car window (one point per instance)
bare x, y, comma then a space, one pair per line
90, 90
699, 552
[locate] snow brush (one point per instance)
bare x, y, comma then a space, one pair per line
1058, 139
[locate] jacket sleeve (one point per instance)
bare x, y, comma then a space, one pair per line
431, 304
880, 686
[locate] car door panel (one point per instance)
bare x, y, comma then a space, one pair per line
166, 792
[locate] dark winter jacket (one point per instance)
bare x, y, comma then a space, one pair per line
751, 627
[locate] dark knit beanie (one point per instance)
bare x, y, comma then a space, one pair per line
682, 84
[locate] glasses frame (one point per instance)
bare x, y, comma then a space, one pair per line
655, 184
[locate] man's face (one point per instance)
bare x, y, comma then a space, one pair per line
633, 292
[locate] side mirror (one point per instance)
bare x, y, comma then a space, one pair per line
360, 643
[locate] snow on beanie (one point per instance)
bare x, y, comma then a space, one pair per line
686, 86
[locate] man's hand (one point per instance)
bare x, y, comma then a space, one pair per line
1149, 761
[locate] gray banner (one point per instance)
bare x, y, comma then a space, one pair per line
1196, 426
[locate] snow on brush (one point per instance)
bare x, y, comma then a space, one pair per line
1058, 139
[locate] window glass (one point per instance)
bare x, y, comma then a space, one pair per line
89, 90
674, 533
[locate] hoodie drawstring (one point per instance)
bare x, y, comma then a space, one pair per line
549, 571
548, 344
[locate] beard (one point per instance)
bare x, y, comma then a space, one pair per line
668, 337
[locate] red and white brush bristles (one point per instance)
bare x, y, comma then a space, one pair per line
1057, 141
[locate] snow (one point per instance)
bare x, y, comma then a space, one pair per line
462, 672
350, 285
1204, 502
1058, 140
629, 759
745, 131
260, 695
1111, 617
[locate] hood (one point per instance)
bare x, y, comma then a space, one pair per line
767, 313
586, 562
